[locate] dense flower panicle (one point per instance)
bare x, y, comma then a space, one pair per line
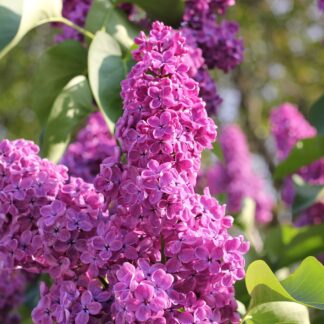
164, 118
159, 223
142, 247
199, 71
320, 4
218, 41
236, 178
76, 11
93, 144
288, 127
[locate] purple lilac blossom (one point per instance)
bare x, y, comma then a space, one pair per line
93, 144
76, 11
199, 71
235, 176
160, 220
320, 4
218, 41
145, 246
288, 126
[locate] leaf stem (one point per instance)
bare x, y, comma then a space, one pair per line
81, 30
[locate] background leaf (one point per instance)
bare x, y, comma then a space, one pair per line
56, 68
304, 286
168, 11
305, 195
70, 109
305, 152
278, 313
18, 17
103, 15
316, 115
287, 244
106, 71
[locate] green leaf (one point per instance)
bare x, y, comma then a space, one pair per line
285, 245
305, 195
106, 71
18, 17
305, 152
305, 286
316, 115
56, 68
103, 15
278, 313
168, 11
70, 109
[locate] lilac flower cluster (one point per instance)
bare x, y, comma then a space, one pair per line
219, 43
177, 261
76, 11
93, 144
143, 247
199, 71
320, 4
236, 178
289, 126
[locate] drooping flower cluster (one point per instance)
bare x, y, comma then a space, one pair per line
178, 263
219, 43
288, 127
320, 4
146, 248
236, 178
93, 144
76, 11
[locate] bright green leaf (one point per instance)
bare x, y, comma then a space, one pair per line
18, 17
306, 195
304, 286
168, 11
278, 313
106, 70
316, 115
305, 152
103, 15
70, 109
286, 244
56, 68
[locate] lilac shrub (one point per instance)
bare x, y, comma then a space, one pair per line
289, 126
235, 176
93, 144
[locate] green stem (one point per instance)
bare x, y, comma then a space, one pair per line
81, 30
69, 23
163, 258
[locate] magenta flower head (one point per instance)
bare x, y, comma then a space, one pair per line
289, 126
235, 176
159, 221
320, 4
93, 144
219, 42
164, 119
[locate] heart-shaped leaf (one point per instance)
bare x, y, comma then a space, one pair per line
305, 286
18, 17
106, 71
70, 109
56, 68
